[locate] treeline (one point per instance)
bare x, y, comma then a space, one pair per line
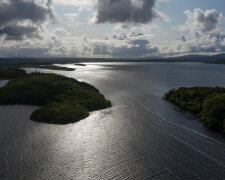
208, 103
220, 61
10, 73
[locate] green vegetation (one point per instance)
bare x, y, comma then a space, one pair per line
63, 100
10, 73
208, 103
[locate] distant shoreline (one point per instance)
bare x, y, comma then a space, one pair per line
17, 61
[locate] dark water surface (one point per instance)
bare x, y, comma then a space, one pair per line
140, 137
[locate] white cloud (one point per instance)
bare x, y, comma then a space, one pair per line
163, 1
77, 3
200, 21
200, 34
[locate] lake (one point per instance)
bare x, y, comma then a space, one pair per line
140, 137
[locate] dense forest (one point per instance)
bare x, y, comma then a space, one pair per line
10, 73
63, 100
208, 103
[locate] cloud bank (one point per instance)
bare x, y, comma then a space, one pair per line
24, 30
200, 34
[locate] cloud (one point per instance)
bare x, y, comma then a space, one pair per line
121, 36
201, 21
125, 11
200, 34
137, 48
23, 31
211, 43
182, 38
163, 1
117, 45
132, 50
23, 52
19, 32
121, 45
76, 3
23, 18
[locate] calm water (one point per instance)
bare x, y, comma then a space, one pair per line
141, 137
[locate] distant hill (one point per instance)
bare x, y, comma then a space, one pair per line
193, 58
15, 61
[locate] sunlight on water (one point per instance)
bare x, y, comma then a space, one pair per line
3, 83
140, 137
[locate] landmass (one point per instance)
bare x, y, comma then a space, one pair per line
220, 61
62, 100
50, 67
206, 102
10, 73
79, 64
20, 61
58, 68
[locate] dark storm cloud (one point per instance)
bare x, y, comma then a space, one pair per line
125, 11
14, 12
17, 10
19, 32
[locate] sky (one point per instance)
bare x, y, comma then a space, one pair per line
111, 28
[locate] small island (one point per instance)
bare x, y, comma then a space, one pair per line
45, 66
57, 68
62, 100
79, 64
206, 102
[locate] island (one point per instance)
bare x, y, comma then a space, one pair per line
58, 68
62, 100
79, 64
206, 102
50, 67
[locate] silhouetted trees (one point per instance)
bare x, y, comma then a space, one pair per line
10, 73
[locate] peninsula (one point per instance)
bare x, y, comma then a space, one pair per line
206, 102
62, 100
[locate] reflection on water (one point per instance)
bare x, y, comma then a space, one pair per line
3, 83
140, 137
